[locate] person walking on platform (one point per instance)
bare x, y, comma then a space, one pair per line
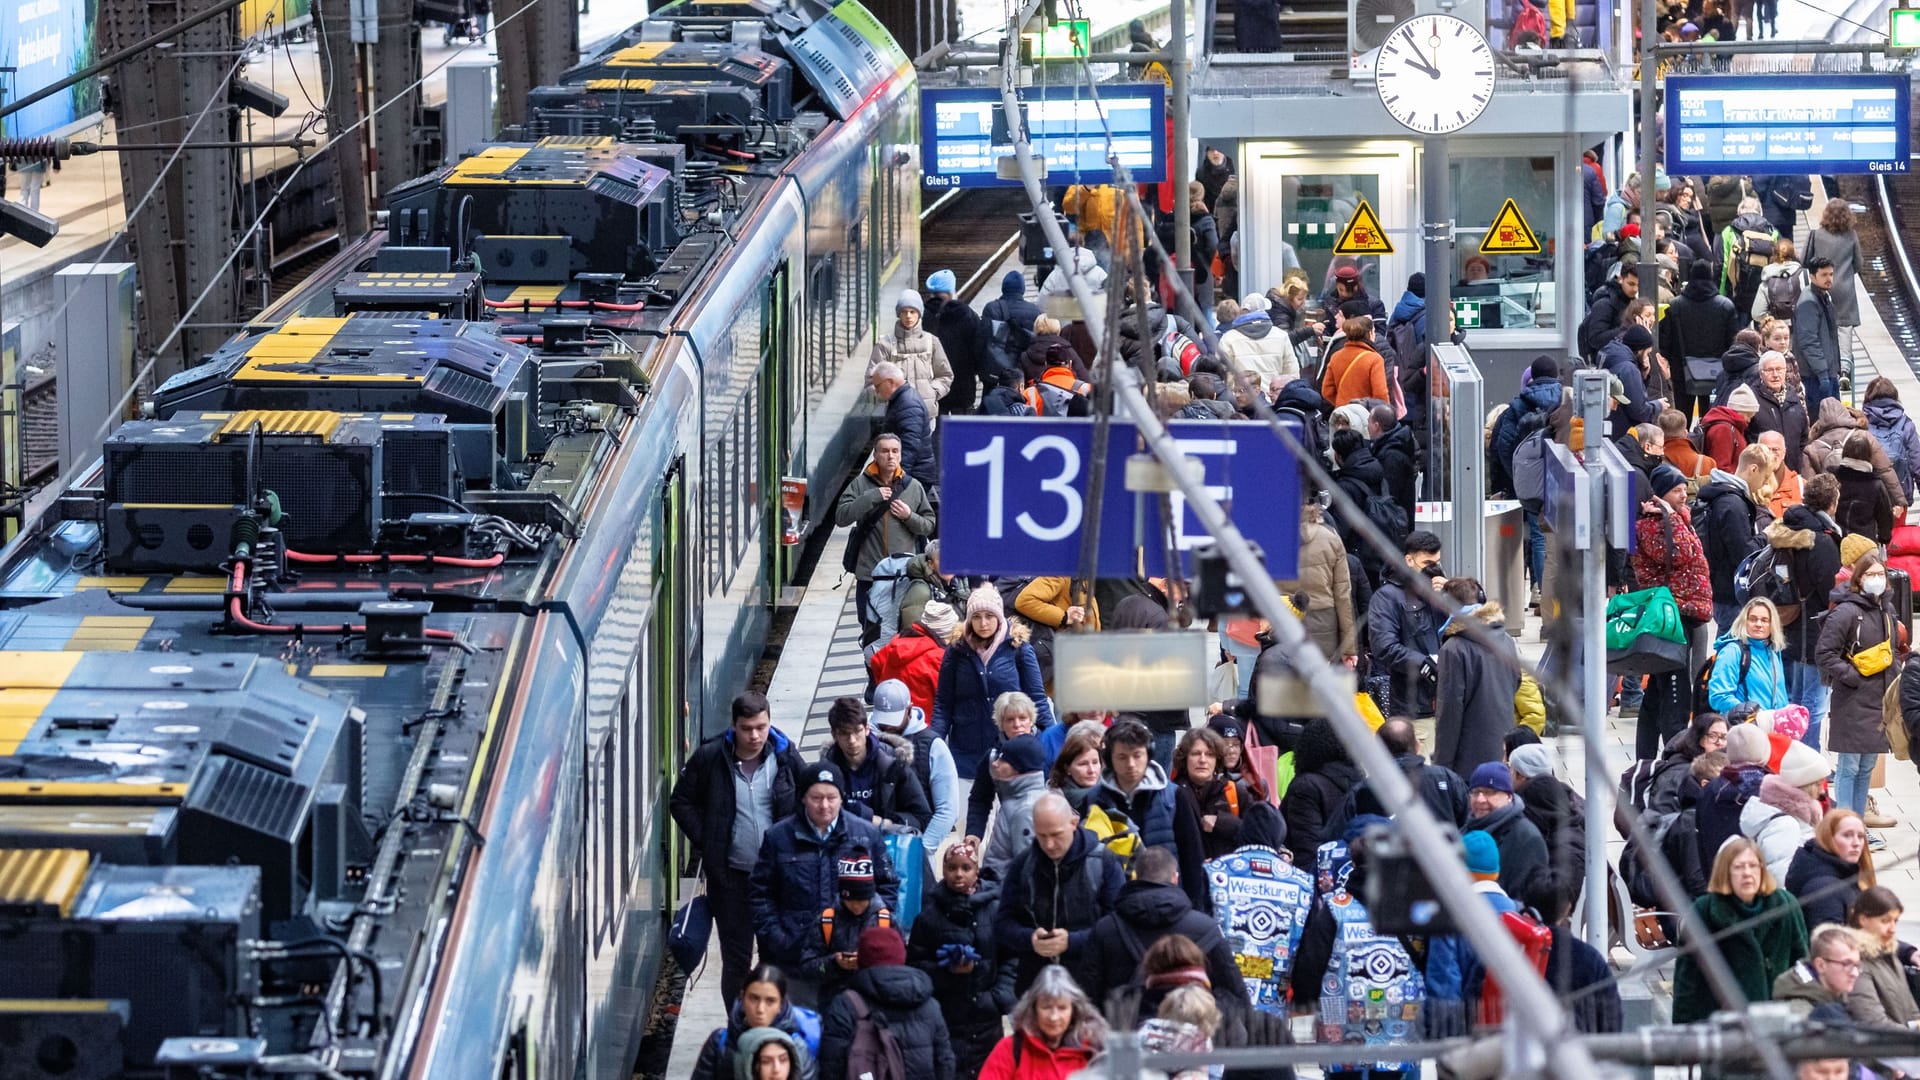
1055, 892
1857, 653
733, 789
957, 326
953, 943
763, 1004
1006, 329
890, 514
915, 655
907, 419
901, 725
1473, 688
1254, 349
1816, 335
1094, 208
1349, 285
1494, 809
1697, 329
1729, 531
922, 359
990, 657
900, 1001
1150, 907
1782, 409
1669, 553
881, 784
1356, 370
1836, 241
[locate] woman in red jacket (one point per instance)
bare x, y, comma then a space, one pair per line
1669, 553
1056, 1032
915, 654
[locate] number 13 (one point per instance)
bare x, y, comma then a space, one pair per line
994, 457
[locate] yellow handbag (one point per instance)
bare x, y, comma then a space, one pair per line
1875, 659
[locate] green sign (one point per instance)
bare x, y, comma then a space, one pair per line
1903, 31
1070, 38
1466, 314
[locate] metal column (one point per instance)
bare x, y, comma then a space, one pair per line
1649, 109
396, 75
1436, 232
1181, 167
1590, 402
340, 75
93, 353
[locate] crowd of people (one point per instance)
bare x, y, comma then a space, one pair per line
1203, 879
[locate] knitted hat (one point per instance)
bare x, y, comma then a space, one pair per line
1637, 338
892, 701
1747, 745
1025, 754
1226, 725
1014, 284
1666, 478
1743, 400
985, 598
826, 772
855, 874
1852, 546
1804, 765
1791, 721
1701, 270
1531, 761
939, 618
881, 946
1355, 306
1493, 776
909, 299
942, 281
1483, 854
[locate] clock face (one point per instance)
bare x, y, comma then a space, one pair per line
1435, 74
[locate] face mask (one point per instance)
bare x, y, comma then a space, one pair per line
1873, 586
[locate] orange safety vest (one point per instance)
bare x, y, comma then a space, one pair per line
1061, 377
883, 918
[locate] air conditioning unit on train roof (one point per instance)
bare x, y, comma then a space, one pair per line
1370, 22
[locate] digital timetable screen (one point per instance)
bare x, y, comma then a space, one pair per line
964, 133
1815, 124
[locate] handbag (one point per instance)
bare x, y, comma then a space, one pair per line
691, 930
1224, 683
1874, 659
1892, 719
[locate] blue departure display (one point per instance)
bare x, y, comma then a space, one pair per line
963, 133
1820, 124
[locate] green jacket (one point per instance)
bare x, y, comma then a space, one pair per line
890, 535
1758, 955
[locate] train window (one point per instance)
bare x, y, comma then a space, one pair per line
713, 498
825, 336
639, 742
609, 810
857, 308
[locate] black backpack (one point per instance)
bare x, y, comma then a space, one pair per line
1388, 515
1700, 703
1768, 572
1783, 294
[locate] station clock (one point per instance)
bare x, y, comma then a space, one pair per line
1434, 74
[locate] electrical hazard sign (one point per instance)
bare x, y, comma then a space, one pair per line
1510, 234
1363, 235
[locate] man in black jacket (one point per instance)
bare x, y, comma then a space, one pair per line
1608, 304
731, 791
1700, 323
1150, 907
1438, 786
954, 322
1405, 633
1054, 892
1006, 329
1395, 448
907, 419
1727, 532
880, 786
1494, 809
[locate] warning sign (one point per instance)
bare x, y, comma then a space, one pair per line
1363, 235
1510, 234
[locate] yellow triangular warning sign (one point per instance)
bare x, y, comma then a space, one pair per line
1363, 235
1510, 234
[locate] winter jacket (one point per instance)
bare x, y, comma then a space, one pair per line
1473, 701
1857, 623
1757, 955
1763, 683
933, 766
1739, 278
1252, 345
1699, 323
1639, 408
925, 585
898, 795
1011, 316
1360, 477
1092, 207
901, 998
975, 1001
1045, 600
1780, 818
1809, 544
1723, 435
1051, 351
1128, 1007
1356, 371
1223, 797
1447, 957
1816, 336
1397, 451
1440, 788
914, 656
1672, 775
1718, 807
1403, 633
1604, 309
1844, 250
957, 326
1864, 507
1784, 411
1324, 577
1830, 430
1013, 824
1881, 997
1895, 430
889, 535
1038, 1061
1530, 410
1165, 818
1523, 851
1825, 884
1728, 531
702, 802
1151, 352
1782, 198
1145, 912
1041, 894
1086, 264
1550, 807
909, 418
1322, 778
1739, 366
716, 1060
1669, 553
922, 359
798, 877
1789, 269
963, 700
1800, 987
1581, 978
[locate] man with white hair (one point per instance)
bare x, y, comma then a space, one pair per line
1253, 346
908, 420
1782, 408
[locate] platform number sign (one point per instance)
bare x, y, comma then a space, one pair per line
1434, 74
1055, 477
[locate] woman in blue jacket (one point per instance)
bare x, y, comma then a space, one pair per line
1746, 661
990, 657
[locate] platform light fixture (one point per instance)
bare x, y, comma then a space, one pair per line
1131, 670
28, 224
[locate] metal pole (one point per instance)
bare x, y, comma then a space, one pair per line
1533, 1005
340, 72
1436, 232
1590, 399
1180, 169
1649, 283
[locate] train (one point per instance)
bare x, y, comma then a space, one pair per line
340, 700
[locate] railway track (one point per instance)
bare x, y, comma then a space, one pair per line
970, 231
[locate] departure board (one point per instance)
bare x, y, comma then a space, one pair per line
1757, 125
964, 133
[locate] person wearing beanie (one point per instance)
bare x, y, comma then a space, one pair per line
797, 877
1530, 762
1006, 329
1727, 516
829, 957
1019, 778
1670, 553
1747, 664
915, 655
1494, 809
1853, 547
1696, 331
1723, 428
920, 355
991, 656
1782, 814
1450, 955
956, 326
1252, 346
1551, 805
899, 998
1627, 356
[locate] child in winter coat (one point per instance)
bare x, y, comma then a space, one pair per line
831, 958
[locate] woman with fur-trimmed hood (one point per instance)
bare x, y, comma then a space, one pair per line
1473, 699
990, 656
1782, 815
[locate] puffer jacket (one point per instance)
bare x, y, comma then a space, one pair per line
1729, 533
1639, 408
1739, 366
1045, 600
1670, 554
925, 585
1165, 818
1825, 884
1253, 345
1051, 351
1857, 623
1881, 997
1830, 430
1035, 1060
1473, 701
1810, 544
1896, 433
1699, 323
963, 700
1328, 584
922, 359
1718, 807
914, 656
890, 535
1087, 265
957, 326
1780, 818
898, 795
1150, 353
902, 999
1530, 410
1723, 435
1042, 894
1323, 776
1396, 451
1145, 912
728, 1054
933, 766
798, 877
1864, 507
1013, 824
1092, 207
975, 1001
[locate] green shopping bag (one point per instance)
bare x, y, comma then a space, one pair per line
1644, 633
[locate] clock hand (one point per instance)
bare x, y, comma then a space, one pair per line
1418, 64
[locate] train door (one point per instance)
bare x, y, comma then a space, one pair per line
672, 650
1296, 200
780, 395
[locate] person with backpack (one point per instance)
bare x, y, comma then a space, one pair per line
1018, 780
761, 1005
1151, 906
1054, 892
886, 1024
1006, 329
1858, 653
1136, 787
1782, 198
1404, 632
1356, 370
1323, 775
1668, 779
1894, 430
957, 326
1695, 333
901, 726
1723, 430
953, 943
1057, 1032
1086, 265
1680, 451
828, 958
1806, 546
1832, 427
1449, 954
925, 583
1361, 479
1726, 516
1669, 553
881, 784
1558, 813
1865, 507
1575, 971
914, 656
890, 514
919, 355
1628, 358
1746, 660
991, 656
1816, 335
1746, 248
1780, 284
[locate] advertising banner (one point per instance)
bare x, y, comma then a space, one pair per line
45, 41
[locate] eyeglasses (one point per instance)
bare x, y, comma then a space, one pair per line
1711, 740
1844, 965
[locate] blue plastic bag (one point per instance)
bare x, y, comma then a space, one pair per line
691, 930
909, 855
